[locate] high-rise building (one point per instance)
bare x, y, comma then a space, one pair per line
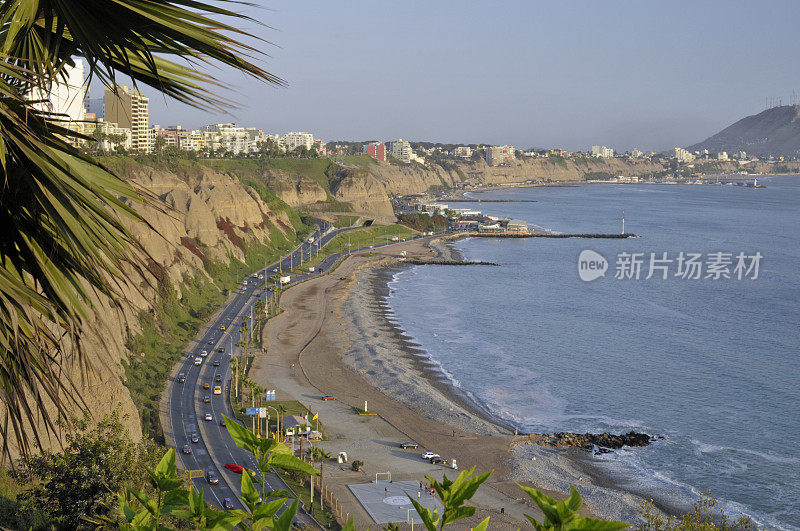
292, 141
129, 108
376, 150
401, 150
496, 155
602, 152
64, 100
683, 155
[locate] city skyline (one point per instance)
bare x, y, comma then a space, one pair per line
549, 75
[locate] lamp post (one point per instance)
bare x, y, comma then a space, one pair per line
277, 425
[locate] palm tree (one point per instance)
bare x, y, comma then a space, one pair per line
63, 238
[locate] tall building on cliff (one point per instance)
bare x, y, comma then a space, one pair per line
130, 108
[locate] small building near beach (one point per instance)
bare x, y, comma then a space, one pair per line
517, 225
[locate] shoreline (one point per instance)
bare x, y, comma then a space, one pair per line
350, 348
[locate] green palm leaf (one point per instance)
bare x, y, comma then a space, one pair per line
62, 214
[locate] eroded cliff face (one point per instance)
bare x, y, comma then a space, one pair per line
294, 189
366, 196
207, 208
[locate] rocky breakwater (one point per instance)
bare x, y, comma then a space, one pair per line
603, 442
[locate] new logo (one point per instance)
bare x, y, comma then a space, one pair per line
591, 265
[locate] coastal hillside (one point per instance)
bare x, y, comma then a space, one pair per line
775, 131
201, 222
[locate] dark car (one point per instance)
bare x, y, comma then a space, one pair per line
210, 341
409, 444
187, 449
221, 422
218, 378
207, 399
212, 478
181, 378
221, 349
195, 438
227, 503
437, 459
216, 363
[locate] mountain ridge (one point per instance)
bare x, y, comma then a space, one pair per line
775, 131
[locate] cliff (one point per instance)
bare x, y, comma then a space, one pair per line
775, 131
198, 218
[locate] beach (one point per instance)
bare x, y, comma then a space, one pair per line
335, 337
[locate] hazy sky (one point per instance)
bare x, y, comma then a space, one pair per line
645, 74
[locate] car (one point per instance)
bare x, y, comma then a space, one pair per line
206, 385
206, 399
435, 460
409, 444
198, 361
187, 449
217, 389
227, 503
221, 349
204, 353
181, 378
216, 363
210, 341
208, 417
244, 283
329, 397
212, 478
260, 277
222, 328
222, 422
217, 378
233, 467
195, 438
430, 455
275, 270
241, 292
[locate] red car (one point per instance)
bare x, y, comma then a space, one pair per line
233, 467
329, 397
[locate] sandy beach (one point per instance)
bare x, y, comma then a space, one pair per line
335, 337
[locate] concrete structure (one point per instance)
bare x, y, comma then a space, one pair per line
722, 155
637, 154
292, 141
322, 150
64, 100
401, 150
232, 138
376, 150
602, 152
130, 109
683, 156
387, 501
464, 152
113, 136
496, 155
517, 225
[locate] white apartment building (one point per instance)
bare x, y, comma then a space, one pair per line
602, 152
637, 154
722, 155
229, 136
401, 150
683, 155
65, 99
292, 141
129, 108
114, 136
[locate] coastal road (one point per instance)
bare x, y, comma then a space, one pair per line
189, 402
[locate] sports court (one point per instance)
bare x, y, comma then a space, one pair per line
386, 500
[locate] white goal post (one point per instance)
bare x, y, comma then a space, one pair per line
387, 474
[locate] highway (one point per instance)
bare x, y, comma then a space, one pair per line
189, 402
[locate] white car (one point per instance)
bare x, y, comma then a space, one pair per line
217, 390
429, 455
208, 417
198, 361
204, 353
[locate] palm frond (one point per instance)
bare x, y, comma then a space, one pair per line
61, 212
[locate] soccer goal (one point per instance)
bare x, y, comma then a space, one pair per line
379, 475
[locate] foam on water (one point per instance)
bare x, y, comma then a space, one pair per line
692, 361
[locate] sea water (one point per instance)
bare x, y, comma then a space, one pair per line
712, 365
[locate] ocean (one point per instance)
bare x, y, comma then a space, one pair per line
710, 364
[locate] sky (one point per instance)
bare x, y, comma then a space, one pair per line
569, 74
